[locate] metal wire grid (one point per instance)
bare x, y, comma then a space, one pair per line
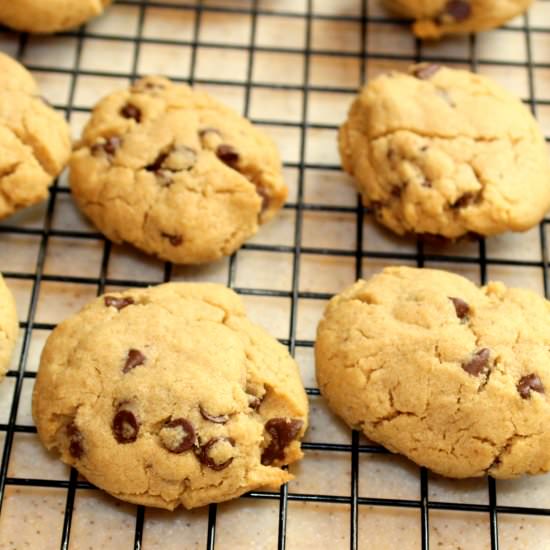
354, 501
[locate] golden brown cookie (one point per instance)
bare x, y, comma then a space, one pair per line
446, 152
170, 396
435, 18
34, 140
453, 376
9, 326
175, 173
47, 16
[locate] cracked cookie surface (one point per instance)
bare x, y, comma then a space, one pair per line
170, 396
48, 16
175, 173
34, 140
446, 152
435, 18
451, 375
9, 326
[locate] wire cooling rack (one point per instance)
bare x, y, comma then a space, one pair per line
369, 28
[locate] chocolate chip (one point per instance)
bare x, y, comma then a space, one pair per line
135, 359
174, 240
459, 10
125, 426
461, 307
228, 155
156, 165
204, 458
396, 191
76, 450
427, 184
131, 111
108, 147
478, 362
222, 419
425, 72
146, 86
177, 435
465, 200
118, 303
529, 383
282, 431
254, 402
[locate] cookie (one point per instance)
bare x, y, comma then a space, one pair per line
9, 326
175, 173
453, 376
435, 18
34, 140
47, 16
446, 152
170, 396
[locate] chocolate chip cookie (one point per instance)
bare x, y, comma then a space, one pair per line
435, 18
446, 152
47, 16
170, 396
453, 376
175, 173
9, 326
34, 140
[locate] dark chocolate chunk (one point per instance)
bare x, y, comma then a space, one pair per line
118, 303
76, 450
459, 10
425, 72
108, 147
178, 435
125, 426
530, 383
174, 240
461, 307
478, 362
131, 111
221, 419
204, 458
396, 191
156, 165
282, 431
135, 359
228, 155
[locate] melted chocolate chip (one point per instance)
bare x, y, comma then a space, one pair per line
282, 431
425, 72
118, 303
204, 458
228, 155
135, 359
174, 240
221, 419
156, 165
131, 111
396, 191
254, 402
178, 435
461, 307
459, 10
109, 147
465, 200
76, 450
530, 383
125, 426
478, 362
